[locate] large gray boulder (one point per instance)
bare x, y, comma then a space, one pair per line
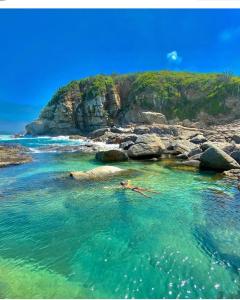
180, 147
99, 173
216, 159
149, 117
198, 139
146, 146
111, 155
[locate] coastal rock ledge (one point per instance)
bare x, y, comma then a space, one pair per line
13, 155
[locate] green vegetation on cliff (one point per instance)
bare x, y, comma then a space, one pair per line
176, 94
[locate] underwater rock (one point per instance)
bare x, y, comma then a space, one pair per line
99, 173
111, 155
191, 163
216, 159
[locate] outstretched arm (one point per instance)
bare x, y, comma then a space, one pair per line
147, 190
140, 192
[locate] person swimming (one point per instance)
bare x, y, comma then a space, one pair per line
127, 185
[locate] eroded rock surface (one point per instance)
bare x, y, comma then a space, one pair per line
13, 155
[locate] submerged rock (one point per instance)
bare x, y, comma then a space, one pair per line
146, 146
216, 159
99, 173
13, 155
191, 163
111, 155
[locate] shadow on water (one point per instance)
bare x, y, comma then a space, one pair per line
209, 245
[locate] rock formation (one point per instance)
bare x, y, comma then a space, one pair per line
142, 98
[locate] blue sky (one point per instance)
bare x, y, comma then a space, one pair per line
42, 50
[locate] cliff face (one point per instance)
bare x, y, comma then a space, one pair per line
96, 102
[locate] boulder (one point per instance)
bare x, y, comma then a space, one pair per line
97, 133
146, 146
99, 173
236, 138
194, 151
198, 139
180, 147
111, 155
149, 117
226, 147
141, 130
216, 159
126, 145
236, 155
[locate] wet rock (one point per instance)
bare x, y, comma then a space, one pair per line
191, 163
111, 155
99, 173
216, 159
195, 151
13, 155
146, 146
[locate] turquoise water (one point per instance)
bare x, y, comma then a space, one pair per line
60, 238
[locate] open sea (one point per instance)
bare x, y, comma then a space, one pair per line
60, 238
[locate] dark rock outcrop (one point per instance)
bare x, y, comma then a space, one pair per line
216, 159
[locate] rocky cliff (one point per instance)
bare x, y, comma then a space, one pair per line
96, 102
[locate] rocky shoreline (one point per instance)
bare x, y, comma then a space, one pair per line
13, 155
216, 148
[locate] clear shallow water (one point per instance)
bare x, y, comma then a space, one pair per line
64, 239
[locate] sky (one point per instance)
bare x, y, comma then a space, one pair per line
42, 50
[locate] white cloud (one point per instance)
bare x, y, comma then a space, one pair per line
173, 57
228, 35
